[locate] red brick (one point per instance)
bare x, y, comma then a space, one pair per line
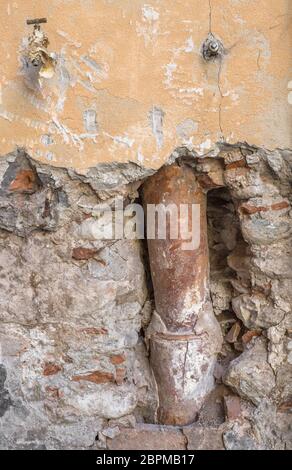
51, 369
249, 209
25, 180
148, 437
121, 373
207, 182
97, 377
232, 407
238, 164
203, 438
280, 205
80, 253
86, 216
117, 359
249, 335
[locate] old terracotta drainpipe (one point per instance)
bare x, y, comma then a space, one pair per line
184, 334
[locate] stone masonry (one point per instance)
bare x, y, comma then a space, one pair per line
74, 310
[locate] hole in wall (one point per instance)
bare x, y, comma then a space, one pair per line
226, 246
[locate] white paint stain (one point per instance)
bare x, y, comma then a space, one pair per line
140, 156
71, 41
69, 137
198, 91
177, 75
169, 70
290, 92
89, 120
124, 139
149, 27
156, 116
6, 115
86, 85
186, 128
50, 156
206, 145
47, 139
189, 45
149, 13
99, 70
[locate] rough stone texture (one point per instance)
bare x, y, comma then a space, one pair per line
153, 437
251, 375
123, 101
250, 244
69, 322
73, 360
203, 438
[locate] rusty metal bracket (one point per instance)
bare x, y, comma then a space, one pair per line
36, 21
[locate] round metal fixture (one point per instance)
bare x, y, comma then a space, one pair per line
212, 48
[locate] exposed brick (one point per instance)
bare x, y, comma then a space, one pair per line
203, 438
232, 407
117, 359
238, 164
207, 182
249, 335
249, 209
280, 205
80, 253
121, 373
86, 216
95, 331
25, 180
51, 368
97, 377
148, 437
155, 437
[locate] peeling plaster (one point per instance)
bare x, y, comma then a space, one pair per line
156, 116
150, 59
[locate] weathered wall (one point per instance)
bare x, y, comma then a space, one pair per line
131, 83
73, 361
131, 86
70, 314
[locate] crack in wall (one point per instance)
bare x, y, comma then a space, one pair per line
221, 99
184, 365
186, 440
210, 17
218, 76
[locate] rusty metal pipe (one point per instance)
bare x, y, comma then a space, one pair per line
184, 334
